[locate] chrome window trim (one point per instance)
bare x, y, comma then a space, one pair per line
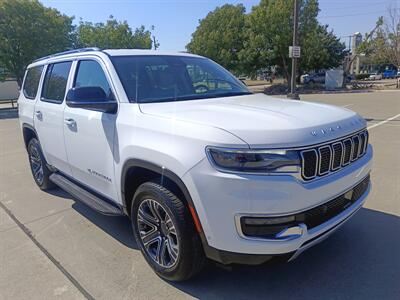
320, 160
341, 156
302, 164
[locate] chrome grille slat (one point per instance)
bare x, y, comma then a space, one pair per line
320, 160
348, 146
307, 171
364, 143
337, 159
356, 147
325, 157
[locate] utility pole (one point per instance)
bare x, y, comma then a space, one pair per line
154, 42
293, 94
154, 38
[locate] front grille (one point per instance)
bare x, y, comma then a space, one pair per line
322, 160
311, 218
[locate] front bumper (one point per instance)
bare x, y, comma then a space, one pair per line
220, 198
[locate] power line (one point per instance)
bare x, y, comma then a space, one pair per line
356, 14
359, 6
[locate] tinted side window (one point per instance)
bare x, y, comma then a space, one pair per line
55, 82
31, 84
90, 74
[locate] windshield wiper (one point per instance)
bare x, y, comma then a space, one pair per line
195, 97
229, 94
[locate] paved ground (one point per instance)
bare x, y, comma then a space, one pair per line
53, 247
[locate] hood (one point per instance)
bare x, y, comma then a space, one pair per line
264, 121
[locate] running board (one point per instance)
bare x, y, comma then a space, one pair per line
85, 196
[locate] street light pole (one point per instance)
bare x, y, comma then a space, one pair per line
293, 94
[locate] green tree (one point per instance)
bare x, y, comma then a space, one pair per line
219, 36
322, 49
382, 44
112, 35
28, 30
268, 36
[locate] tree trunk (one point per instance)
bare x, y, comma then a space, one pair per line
285, 69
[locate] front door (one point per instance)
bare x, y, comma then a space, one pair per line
48, 115
89, 135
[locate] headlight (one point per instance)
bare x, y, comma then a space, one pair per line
254, 161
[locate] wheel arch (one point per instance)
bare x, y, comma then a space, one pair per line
137, 171
28, 132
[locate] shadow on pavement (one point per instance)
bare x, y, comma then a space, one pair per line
119, 228
360, 261
8, 113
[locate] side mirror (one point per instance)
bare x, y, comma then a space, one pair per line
91, 98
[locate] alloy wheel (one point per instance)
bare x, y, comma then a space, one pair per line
158, 233
36, 164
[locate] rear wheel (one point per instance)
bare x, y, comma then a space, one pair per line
40, 171
165, 232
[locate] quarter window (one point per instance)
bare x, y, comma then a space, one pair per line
91, 74
32, 82
55, 82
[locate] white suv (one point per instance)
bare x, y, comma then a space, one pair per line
203, 167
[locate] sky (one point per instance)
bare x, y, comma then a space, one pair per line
175, 20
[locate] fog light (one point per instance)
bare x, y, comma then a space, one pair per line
349, 195
292, 232
266, 227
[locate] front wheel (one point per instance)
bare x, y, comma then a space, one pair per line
165, 232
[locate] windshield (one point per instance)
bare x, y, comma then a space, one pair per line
157, 78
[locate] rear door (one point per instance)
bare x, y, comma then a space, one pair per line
28, 95
89, 138
48, 115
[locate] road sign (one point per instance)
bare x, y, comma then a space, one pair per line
294, 51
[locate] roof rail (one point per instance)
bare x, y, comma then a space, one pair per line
68, 52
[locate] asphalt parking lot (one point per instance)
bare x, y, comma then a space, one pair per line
53, 247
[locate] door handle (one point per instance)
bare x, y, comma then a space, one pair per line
39, 115
70, 122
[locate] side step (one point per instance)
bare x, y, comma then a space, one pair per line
85, 196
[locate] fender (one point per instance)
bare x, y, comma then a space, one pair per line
209, 251
157, 169
30, 127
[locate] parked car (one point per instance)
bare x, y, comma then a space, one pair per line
266, 77
389, 74
201, 166
375, 76
314, 78
398, 74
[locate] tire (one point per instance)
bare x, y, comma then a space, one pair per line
157, 211
40, 171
